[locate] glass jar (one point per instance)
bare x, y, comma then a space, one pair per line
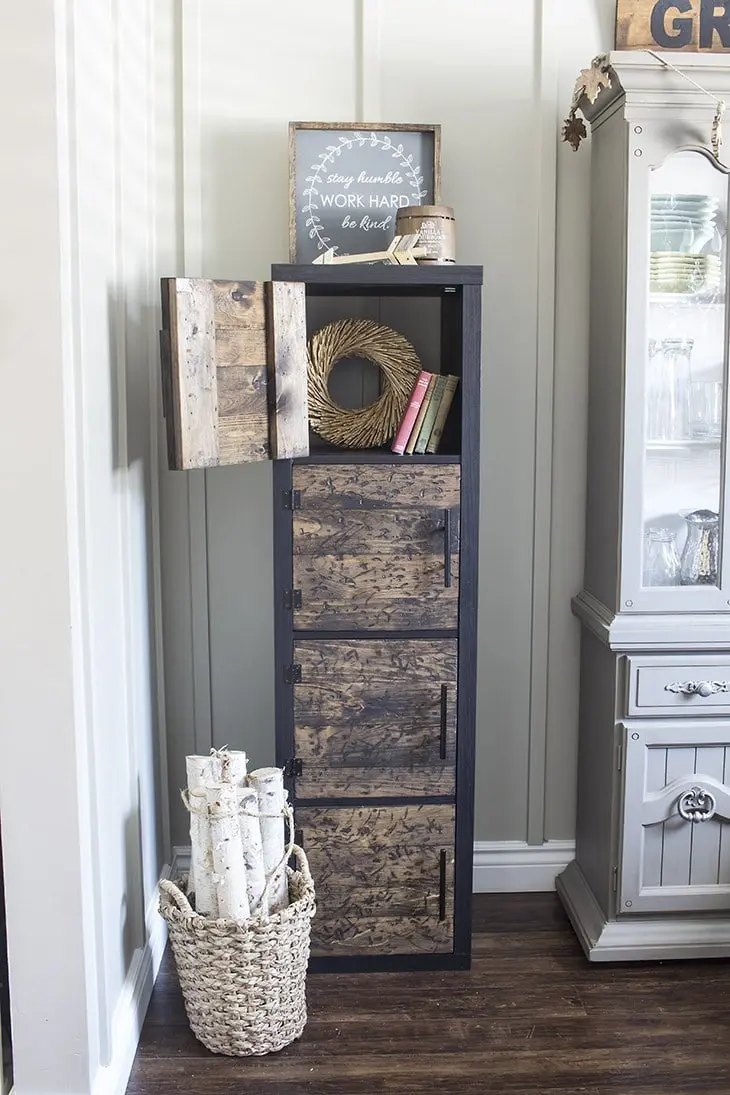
706, 403
677, 353
661, 559
668, 389
700, 552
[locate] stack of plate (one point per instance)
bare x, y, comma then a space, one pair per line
681, 227
682, 223
674, 272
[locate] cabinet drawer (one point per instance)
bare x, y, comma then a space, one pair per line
667, 685
376, 546
384, 878
375, 718
676, 814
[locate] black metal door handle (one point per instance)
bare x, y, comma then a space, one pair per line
447, 548
444, 713
442, 884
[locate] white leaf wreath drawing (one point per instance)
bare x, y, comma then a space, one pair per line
327, 158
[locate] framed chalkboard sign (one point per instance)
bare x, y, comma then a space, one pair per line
347, 182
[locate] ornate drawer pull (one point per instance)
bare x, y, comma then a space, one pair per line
698, 688
697, 805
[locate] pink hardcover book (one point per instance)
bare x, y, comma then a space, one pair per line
411, 413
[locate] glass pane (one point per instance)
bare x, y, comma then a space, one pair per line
685, 373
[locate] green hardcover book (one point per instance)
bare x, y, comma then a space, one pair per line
444, 406
430, 417
416, 431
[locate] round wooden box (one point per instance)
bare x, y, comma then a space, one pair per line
437, 227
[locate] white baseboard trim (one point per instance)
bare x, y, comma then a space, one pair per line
133, 1002
511, 866
180, 860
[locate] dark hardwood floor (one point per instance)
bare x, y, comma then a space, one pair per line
532, 1015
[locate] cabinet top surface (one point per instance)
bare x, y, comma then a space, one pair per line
660, 79
641, 58
379, 275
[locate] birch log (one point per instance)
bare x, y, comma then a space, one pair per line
230, 873
253, 852
200, 881
269, 786
229, 766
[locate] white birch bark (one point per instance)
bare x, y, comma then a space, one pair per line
199, 772
253, 852
230, 873
229, 766
269, 786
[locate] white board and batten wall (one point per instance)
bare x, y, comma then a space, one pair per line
87, 226
499, 80
159, 147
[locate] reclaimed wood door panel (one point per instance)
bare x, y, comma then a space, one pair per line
368, 827
388, 882
385, 530
375, 717
376, 546
391, 866
384, 878
377, 486
381, 935
233, 371
320, 781
421, 897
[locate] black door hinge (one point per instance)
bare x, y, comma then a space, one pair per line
293, 768
292, 599
293, 673
292, 499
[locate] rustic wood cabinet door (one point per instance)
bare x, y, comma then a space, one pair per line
384, 878
375, 718
376, 546
234, 371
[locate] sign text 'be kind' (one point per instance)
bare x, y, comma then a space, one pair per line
692, 25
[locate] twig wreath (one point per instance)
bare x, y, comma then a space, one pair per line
370, 426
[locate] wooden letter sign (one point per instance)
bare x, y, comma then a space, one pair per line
692, 25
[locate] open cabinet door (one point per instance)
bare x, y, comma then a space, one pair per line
234, 371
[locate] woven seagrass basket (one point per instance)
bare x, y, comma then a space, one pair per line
244, 983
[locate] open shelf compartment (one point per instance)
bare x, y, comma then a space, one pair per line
435, 307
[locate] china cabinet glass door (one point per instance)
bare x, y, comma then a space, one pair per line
684, 380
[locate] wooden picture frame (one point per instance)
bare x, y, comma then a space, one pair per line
348, 153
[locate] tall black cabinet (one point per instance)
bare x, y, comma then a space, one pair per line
375, 602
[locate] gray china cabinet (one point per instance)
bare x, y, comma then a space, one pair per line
651, 875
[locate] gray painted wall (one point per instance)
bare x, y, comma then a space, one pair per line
521, 201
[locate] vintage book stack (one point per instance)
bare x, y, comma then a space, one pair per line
422, 425
375, 584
